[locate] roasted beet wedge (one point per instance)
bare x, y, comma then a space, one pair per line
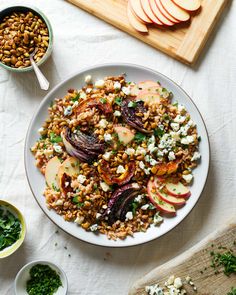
108, 176
105, 107
81, 146
129, 114
119, 203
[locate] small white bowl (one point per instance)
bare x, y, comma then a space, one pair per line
23, 276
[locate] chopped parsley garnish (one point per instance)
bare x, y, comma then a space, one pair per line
132, 104
175, 104
118, 101
10, 229
43, 280
103, 100
166, 117
226, 260
134, 207
76, 98
139, 137
233, 291
75, 200
55, 188
159, 132
55, 138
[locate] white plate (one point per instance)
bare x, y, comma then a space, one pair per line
24, 275
137, 74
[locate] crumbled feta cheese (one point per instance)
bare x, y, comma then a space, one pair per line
130, 151
147, 171
107, 156
154, 290
174, 126
153, 162
79, 219
99, 83
179, 119
170, 281
48, 153
157, 219
104, 186
117, 85
145, 207
152, 140
104, 207
126, 90
129, 216
184, 130
181, 108
107, 137
82, 95
191, 123
171, 156
58, 202
196, 156
187, 140
68, 111
160, 153
188, 178
166, 142
175, 136
140, 151
93, 227
117, 113
57, 148
98, 215
141, 165
139, 198
81, 178
178, 283
152, 148
103, 123
120, 169
88, 90
41, 130
88, 79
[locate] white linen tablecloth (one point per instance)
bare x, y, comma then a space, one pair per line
83, 40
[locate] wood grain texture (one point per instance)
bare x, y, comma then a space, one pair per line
192, 263
184, 42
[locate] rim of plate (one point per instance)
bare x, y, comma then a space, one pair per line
107, 65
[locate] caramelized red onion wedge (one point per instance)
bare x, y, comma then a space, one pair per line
119, 203
105, 107
129, 115
108, 176
81, 146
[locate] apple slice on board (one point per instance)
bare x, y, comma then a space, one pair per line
138, 11
175, 10
51, 172
157, 201
125, 135
190, 5
177, 190
170, 199
135, 22
165, 13
159, 15
147, 9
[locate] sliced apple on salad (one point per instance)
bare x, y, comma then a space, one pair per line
51, 173
125, 135
157, 201
177, 190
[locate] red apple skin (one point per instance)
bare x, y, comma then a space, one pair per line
165, 13
159, 15
152, 197
173, 201
171, 193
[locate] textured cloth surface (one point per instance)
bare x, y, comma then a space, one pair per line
83, 40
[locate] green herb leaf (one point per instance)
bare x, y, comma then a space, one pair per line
103, 100
159, 132
233, 291
132, 104
55, 138
76, 98
139, 137
134, 207
118, 101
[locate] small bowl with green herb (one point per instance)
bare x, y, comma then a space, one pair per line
41, 278
12, 229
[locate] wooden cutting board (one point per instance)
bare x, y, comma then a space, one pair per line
184, 43
192, 263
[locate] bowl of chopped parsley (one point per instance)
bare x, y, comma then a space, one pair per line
12, 229
41, 278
